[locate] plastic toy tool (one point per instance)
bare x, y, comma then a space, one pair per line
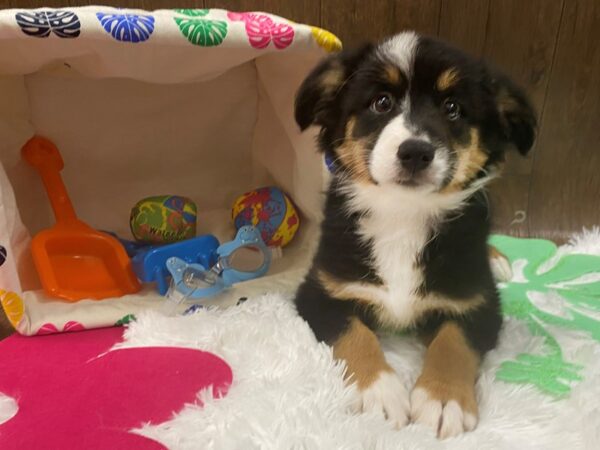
73, 260
197, 280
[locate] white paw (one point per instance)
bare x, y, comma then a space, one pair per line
388, 396
447, 419
501, 268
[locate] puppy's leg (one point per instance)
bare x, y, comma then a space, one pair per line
379, 386
444, 395
340, 324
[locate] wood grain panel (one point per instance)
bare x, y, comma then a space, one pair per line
46, 3
509, 200
299, 11
355, 21
565, 191
236, 5
464, 23
134, 4
152, 4
422, 16
520, 39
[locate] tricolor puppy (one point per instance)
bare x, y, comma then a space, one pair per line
416, 129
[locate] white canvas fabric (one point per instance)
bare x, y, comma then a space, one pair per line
196, 103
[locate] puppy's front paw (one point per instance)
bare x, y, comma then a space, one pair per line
387, 395
449, 410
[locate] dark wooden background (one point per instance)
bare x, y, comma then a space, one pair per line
552, 47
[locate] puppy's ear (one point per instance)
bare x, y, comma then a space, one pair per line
317, 96
517, 116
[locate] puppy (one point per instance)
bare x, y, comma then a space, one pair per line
415, 130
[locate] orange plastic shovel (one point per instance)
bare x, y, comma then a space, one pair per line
73, 260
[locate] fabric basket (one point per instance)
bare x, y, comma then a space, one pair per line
189, 102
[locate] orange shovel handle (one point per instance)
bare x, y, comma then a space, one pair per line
45, 157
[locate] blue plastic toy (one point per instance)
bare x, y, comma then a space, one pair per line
198, 280
131, 247
150, 263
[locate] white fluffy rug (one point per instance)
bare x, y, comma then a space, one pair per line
288, 392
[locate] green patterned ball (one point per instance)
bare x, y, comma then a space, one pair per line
163, 219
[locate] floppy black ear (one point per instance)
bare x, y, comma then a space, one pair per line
315, 100
516, 114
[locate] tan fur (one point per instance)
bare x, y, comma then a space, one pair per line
370, 294
392, 74
332, 79
352, 154
470, 160
360, 348
450, 368
447, 79
506, 102
494, 252
356, 291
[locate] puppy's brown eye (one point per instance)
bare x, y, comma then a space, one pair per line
451, 109
382, 104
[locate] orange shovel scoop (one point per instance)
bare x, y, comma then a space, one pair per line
73, 260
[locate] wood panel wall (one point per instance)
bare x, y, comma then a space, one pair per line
549, 46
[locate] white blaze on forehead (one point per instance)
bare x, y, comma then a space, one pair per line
401, 50
384, 165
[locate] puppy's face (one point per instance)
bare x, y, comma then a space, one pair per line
414, 114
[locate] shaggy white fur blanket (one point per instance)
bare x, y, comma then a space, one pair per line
288, 391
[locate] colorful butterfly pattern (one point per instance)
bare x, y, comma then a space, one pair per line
64, 24
126, 27
196, 25
199, 30
261, 30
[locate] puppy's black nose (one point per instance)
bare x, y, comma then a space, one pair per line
415, 155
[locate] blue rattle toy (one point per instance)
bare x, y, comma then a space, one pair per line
199, 281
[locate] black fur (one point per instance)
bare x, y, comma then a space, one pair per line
312, 105
456, 265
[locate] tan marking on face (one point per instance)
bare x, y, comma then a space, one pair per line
392, 74
447, 79
469, 162
353, 155
360, 348
374, 296
450, 368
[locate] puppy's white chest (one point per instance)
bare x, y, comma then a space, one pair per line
397, 243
